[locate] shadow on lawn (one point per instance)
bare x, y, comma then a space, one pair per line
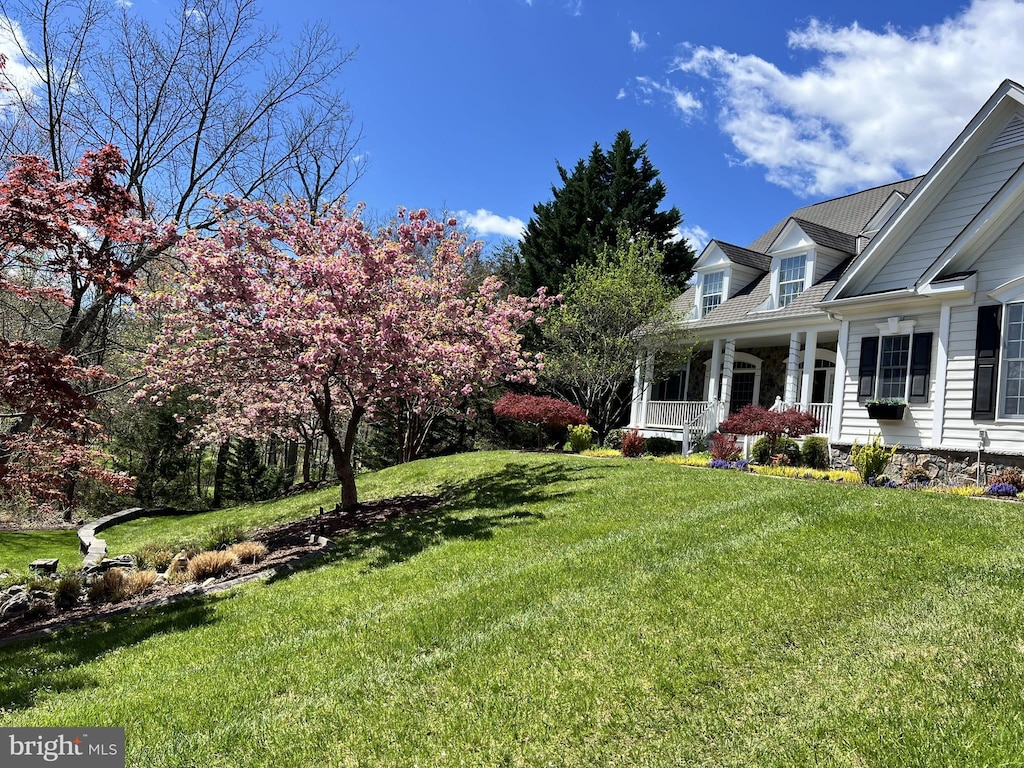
54, 665
472, 509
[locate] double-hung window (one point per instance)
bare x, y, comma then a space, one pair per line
711, 292
791, 278
895, 365
894, 359
1013, 402
1000, 334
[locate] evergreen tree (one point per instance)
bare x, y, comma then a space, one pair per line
608, 194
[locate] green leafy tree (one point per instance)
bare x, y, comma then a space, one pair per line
612, 307
611, 194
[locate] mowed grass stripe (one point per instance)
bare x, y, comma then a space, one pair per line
631, 615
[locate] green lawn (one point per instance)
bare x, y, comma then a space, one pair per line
578, 612
17, 550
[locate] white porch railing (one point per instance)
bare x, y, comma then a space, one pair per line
674, 414
821, 411
679, 414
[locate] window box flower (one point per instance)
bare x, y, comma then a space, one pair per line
886, 409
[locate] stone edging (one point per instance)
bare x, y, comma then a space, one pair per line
93, 549
325, 545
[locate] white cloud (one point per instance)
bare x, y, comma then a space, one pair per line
17, 78
697, 237
621, 94
636, 41
483, 222
125, 3
685, 102
873, 107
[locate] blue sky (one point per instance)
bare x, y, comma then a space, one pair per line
749, 108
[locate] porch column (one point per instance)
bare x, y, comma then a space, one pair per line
810, 355
638, 391
839, 385
792, 368
648, 386
727, 364
715, 377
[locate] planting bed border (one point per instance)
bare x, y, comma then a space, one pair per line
93, 549
209, 587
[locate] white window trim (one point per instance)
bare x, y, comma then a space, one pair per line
894, 326
777, 259
1011, 292
698, 309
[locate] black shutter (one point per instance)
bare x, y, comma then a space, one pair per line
868, 365
920, 367
986, 363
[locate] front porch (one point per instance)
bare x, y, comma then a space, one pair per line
724, 375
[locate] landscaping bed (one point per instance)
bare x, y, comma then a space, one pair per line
288, 544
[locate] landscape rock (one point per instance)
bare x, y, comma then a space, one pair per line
14, 606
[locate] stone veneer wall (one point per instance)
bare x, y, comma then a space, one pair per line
946, 467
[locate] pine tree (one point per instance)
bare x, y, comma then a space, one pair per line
607, 194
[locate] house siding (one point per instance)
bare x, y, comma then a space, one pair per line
916, 427
968, 196
999, 264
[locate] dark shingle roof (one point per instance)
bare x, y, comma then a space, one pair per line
832, 224
745, 256
828, 237
848, 214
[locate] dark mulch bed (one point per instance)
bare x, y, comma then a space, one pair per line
288, 544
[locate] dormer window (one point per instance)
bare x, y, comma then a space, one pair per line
711, 292
791, 278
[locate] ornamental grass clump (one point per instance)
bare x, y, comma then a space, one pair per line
139, 582
211, 564
248, 551
109, 588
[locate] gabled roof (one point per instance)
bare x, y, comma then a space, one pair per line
742, 307
848, 214
746, 257
933, 187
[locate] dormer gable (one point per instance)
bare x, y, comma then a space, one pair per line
721, 271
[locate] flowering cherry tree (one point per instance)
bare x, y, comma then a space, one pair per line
289, 313
62, 246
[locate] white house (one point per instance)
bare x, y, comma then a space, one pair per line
909, 292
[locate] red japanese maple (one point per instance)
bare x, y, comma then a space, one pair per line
61, 245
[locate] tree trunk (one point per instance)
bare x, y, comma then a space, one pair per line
342, 450
221, 473
291, 460
307, 458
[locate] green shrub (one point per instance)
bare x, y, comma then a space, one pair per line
871, 460
760, 452
613, 440
815, 454
661, 446
567, 447
581, 437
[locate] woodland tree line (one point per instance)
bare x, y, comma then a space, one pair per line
191, 315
